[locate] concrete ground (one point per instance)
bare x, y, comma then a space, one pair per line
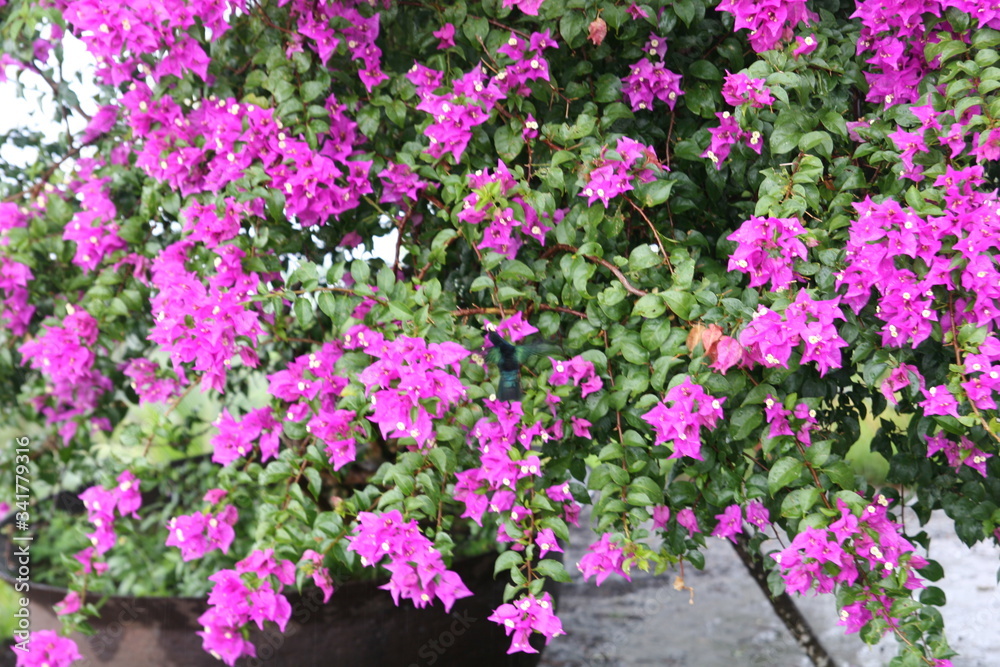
647, 623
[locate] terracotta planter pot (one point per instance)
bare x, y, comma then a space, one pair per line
360, 626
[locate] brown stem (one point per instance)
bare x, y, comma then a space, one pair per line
629, 287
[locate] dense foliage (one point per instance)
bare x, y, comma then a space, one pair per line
746, 232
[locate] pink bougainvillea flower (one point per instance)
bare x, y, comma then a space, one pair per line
446, 36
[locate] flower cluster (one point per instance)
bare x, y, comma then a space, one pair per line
213, 143
245, 594
93, 228
312, 564
528, 63
205, 325
453, 120
847, 552
910, 145
496, 199
769, 338
47, 649
148, 383
648, 81
417, 570
529, 7
101, 505
778, 418
198, 533
236, 439
766, 249
691, 409
730, 523
577, 370
728, 134
64, 353
731, 520
328, 25
400, 184
983, 374
14, 275
310, 387
604, 558
768, 21
456, 112
513, 328
121, 36
906, 256
804, 45
899, 378
612, 175
894, 33
409, 378
525, 616
739, 89
494, 485
960, 453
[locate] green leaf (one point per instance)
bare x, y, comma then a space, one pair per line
834, 122
985, 38
313, 89
508, 142
314, 479
360, 271
649, 306
276, 471
638, 498
788, 129
508, 560
634, 352
553, 569
841, 473
655, 193
932, 571
685, 10
396, 111
818, 453
783, 472
744, 420
573, 27
304, 312
643, 257
683, 493
703, 69
481, 283
644, 491
608, 88
933, 595
820, 141
516, 270
680, 303
368, 118
476, 28
799, 502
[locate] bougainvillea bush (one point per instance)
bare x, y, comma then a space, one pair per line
743, 230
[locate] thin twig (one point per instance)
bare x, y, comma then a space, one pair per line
629, 287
